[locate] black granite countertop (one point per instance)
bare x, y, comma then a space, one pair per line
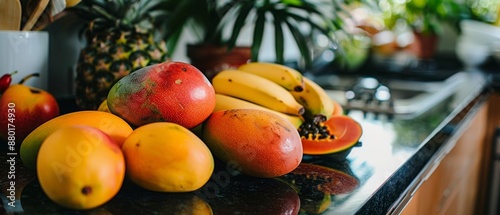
375, 173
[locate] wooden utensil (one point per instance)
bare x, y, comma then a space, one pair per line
35, 15
10, 15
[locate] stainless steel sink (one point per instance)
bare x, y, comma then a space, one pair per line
407, 98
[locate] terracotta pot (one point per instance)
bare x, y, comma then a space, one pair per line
212, 59
425, 45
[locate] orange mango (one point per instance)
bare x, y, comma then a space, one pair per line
167, 157
263, 144
82, 173
110, 124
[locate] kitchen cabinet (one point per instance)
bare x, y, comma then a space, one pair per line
453, 187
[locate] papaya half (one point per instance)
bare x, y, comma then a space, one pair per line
338, 133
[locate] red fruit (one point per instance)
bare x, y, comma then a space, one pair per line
166, 92
5, 81
24, 108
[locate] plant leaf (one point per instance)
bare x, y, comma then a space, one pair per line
279, 39
239, 23
301, 42
172, 41
327, 30
258, 34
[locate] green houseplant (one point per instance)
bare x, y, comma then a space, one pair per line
425, 18
220, 23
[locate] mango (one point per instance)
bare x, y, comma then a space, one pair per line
104, 106
260, 143
80, 167
167, 157
166, 92
109, 123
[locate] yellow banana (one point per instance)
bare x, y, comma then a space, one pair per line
317, 103
256, 89
223, 102
284, 76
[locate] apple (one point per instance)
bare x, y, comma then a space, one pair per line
22, 109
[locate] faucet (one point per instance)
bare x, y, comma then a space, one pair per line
368, 94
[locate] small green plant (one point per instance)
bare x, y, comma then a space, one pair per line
423, 16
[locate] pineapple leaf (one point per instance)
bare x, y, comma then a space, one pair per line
148, 6
102, 12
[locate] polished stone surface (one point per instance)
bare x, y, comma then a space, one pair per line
368, 179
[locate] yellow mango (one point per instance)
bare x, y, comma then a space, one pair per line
167, 157
109, 123
80, 167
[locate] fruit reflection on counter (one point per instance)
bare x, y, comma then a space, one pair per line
316, 184
24, 108
171, 123
246, 195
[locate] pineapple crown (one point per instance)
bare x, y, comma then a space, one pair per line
125, 15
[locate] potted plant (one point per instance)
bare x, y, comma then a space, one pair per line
425, 18
211, 19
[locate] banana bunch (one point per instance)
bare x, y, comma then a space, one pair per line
273, 87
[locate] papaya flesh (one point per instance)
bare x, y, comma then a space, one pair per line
338, 133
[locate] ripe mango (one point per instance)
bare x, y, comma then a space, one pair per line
109, 123
261, 143
166, 92
82, 173
167, 157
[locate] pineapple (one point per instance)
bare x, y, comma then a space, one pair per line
120, 38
